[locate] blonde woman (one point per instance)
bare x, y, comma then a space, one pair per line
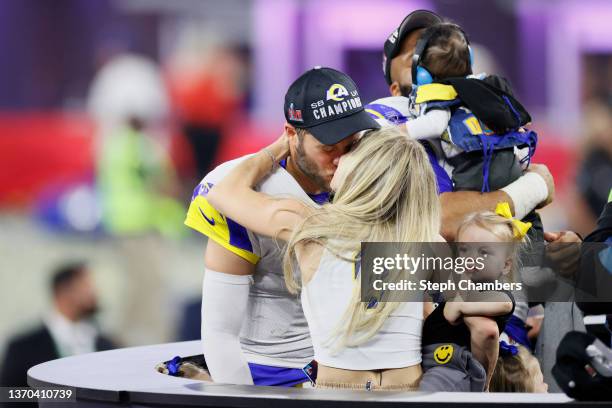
384, 190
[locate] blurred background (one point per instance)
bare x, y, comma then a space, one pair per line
111, 111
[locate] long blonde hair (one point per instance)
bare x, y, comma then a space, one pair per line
389, 194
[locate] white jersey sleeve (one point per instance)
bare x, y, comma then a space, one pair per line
391, 111
204, 218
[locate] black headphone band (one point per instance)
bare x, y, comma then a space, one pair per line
419, 49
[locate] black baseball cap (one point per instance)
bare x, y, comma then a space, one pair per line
326, 103
578, 369
393, 45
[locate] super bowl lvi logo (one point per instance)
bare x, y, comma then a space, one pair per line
337, 92
443, 354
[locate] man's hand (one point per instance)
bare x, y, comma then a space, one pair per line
543, 172
563, 251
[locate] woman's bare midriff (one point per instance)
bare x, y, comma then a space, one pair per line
406, 378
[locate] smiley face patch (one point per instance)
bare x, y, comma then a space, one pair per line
443, 354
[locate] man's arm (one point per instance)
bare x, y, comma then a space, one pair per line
484, 335
225, 294
230, 259
457, 205
535, 189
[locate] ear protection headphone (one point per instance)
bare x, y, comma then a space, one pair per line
420, 74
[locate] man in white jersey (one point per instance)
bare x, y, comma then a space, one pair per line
534, 188
253, 330
398, 52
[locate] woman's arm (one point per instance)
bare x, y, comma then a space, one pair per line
234, 196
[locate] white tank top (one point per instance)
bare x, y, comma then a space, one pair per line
325, 299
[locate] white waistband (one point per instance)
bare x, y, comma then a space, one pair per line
275, 362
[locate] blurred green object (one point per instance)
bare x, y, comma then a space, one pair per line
134, 177
610, 196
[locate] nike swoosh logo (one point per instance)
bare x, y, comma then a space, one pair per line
211, 221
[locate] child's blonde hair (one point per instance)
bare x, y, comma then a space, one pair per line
503, 228
513, 373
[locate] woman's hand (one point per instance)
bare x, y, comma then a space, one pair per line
279, 148
235, 195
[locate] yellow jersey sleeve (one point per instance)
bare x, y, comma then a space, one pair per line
205, 219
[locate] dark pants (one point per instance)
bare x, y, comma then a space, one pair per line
446, 372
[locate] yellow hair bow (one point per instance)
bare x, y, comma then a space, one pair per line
520, 227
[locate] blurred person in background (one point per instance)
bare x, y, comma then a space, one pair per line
594, 179
598, 258
205, 82
67, 328
137, 185
129, 103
